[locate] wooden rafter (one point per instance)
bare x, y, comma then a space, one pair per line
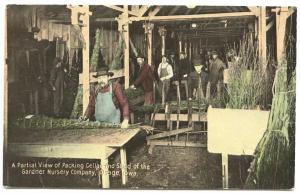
270, 24
188, 11
198, 10
135, 8
254, 10
143, 10
117, 8
189, 17
155, 11
174, 10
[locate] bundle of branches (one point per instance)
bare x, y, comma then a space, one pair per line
117, 61
246, 80
96, 50
40, 123
72, 80
77, 107
133, 93
272, 167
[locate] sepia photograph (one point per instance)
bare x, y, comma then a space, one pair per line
195, 97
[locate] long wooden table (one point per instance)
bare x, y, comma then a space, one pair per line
79, 143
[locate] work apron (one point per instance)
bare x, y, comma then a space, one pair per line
165, 85
105, 109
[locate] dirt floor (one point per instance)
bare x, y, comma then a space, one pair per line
166, 168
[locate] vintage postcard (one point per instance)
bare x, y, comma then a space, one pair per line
150, 97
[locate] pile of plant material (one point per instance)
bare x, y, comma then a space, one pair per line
118, 55
134, 93
273, 164
246, 79
78, 107
40, 123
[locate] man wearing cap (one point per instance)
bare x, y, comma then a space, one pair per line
198, 78
215, 74
107, 100
145, 78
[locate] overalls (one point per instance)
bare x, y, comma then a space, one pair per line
105, 109
165, 85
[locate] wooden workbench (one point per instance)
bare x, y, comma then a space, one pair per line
79, 143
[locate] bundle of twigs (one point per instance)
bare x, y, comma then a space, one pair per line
77, 110
133, 93
39, 123
96, 50
246, 80
272, 167
118, 56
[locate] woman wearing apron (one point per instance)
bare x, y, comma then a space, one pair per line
165, 73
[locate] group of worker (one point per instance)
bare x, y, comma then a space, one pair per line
108, 99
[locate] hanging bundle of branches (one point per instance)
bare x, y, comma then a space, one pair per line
273, 164
96, 50
246, 80
118, 57
78, 107
40, 123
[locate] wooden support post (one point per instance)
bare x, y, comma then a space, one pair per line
124, 165
262, 37
148, 30
125, 32
105, 173
281, 17
85, 55
163, 32
131, 118
225, 170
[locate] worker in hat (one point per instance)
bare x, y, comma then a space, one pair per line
145, 78
107, 100
197, 79
215, 74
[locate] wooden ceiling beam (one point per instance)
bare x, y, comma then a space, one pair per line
105, 20
214, 36
190, 17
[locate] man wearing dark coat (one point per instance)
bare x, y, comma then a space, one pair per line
57, 82
215, 74
145, 78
